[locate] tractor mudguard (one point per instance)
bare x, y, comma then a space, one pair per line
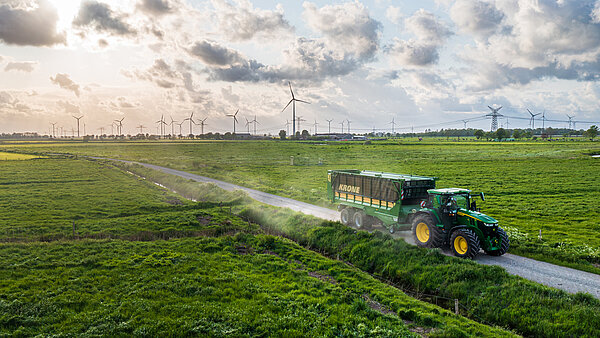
432, 214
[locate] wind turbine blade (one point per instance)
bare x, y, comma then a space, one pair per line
287, 105
491, 108
236, 112
291, 91
301, 101
499, 108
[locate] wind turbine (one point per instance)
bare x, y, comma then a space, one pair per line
532, 121
234, 116
494, 115
255, 122
172, 126
141, 129
342, 123
316, 124
161, 123
120, 126
299, 119
180, 123
287, 127
293, 102
348, 125
53, 124
101, 131
393, 123
202, 124
247, 124
465, 123
77, 118
571, 123
329, 124
191, 121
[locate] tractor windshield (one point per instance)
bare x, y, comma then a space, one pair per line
462, 201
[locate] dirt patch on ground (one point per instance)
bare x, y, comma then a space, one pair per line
204, 219
377, 306
244, 249
174, 201
325, 278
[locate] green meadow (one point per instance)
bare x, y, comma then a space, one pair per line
530, 186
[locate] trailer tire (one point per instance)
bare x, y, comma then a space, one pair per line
464, 243
504, 244
426, 233
360, 220
346, 216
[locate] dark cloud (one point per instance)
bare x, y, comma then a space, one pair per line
99, 17
427, 27
161, 73
241, 21
413, 53
30, 27
64, 81
213, 54
25, 66
158, 7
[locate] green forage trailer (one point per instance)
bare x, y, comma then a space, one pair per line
437, 217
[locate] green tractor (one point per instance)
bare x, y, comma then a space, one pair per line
450, 216
437, 217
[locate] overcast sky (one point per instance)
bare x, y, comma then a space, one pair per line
425, 64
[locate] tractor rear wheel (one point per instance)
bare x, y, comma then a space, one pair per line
426, 233
346, 216
504, 244
464, 243
360, 220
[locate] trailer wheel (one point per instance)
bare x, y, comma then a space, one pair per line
426, 233
464, 243
360, 220
504, 244
346, 216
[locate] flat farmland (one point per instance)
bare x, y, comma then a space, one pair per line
530, 186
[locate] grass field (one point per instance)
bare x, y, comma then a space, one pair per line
530, 186
173, 267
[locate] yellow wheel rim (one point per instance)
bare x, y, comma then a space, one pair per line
422, 232
461, 245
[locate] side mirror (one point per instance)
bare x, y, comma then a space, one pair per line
482, 196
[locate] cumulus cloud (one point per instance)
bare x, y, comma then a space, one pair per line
65, 82
240, 21
123, 103
101, 18
160, 73
476, 17
531, 41
431, 34
348, 26
394, 14
25, 66
158, 7
68, 107
211, 53
30, 26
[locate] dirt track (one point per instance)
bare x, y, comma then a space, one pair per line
556, 276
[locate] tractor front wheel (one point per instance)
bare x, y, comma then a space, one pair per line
464, 243
426, 233
504, 244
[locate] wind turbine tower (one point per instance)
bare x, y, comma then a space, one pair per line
141, 128
571, 123
293, 102
299, 119
494, 115
78, 118
191, 121
173, 122
53, 128
393, 123
316, 124
120, 126
329, 125
202, 124
287, 127
348, 125
255, 122
532, 121
342, 123
235, 120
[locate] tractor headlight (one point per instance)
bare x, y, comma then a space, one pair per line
492, 224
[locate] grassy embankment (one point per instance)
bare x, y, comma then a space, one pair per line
530, 186
226, 277
489, 293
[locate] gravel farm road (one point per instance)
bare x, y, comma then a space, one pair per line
567, 279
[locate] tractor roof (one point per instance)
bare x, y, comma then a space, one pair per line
449, 191
391, 176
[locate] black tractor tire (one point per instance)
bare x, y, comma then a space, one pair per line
504, 244
426, 233
360, 220
346, 216
464, 243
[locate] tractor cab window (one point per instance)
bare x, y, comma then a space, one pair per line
462, 201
